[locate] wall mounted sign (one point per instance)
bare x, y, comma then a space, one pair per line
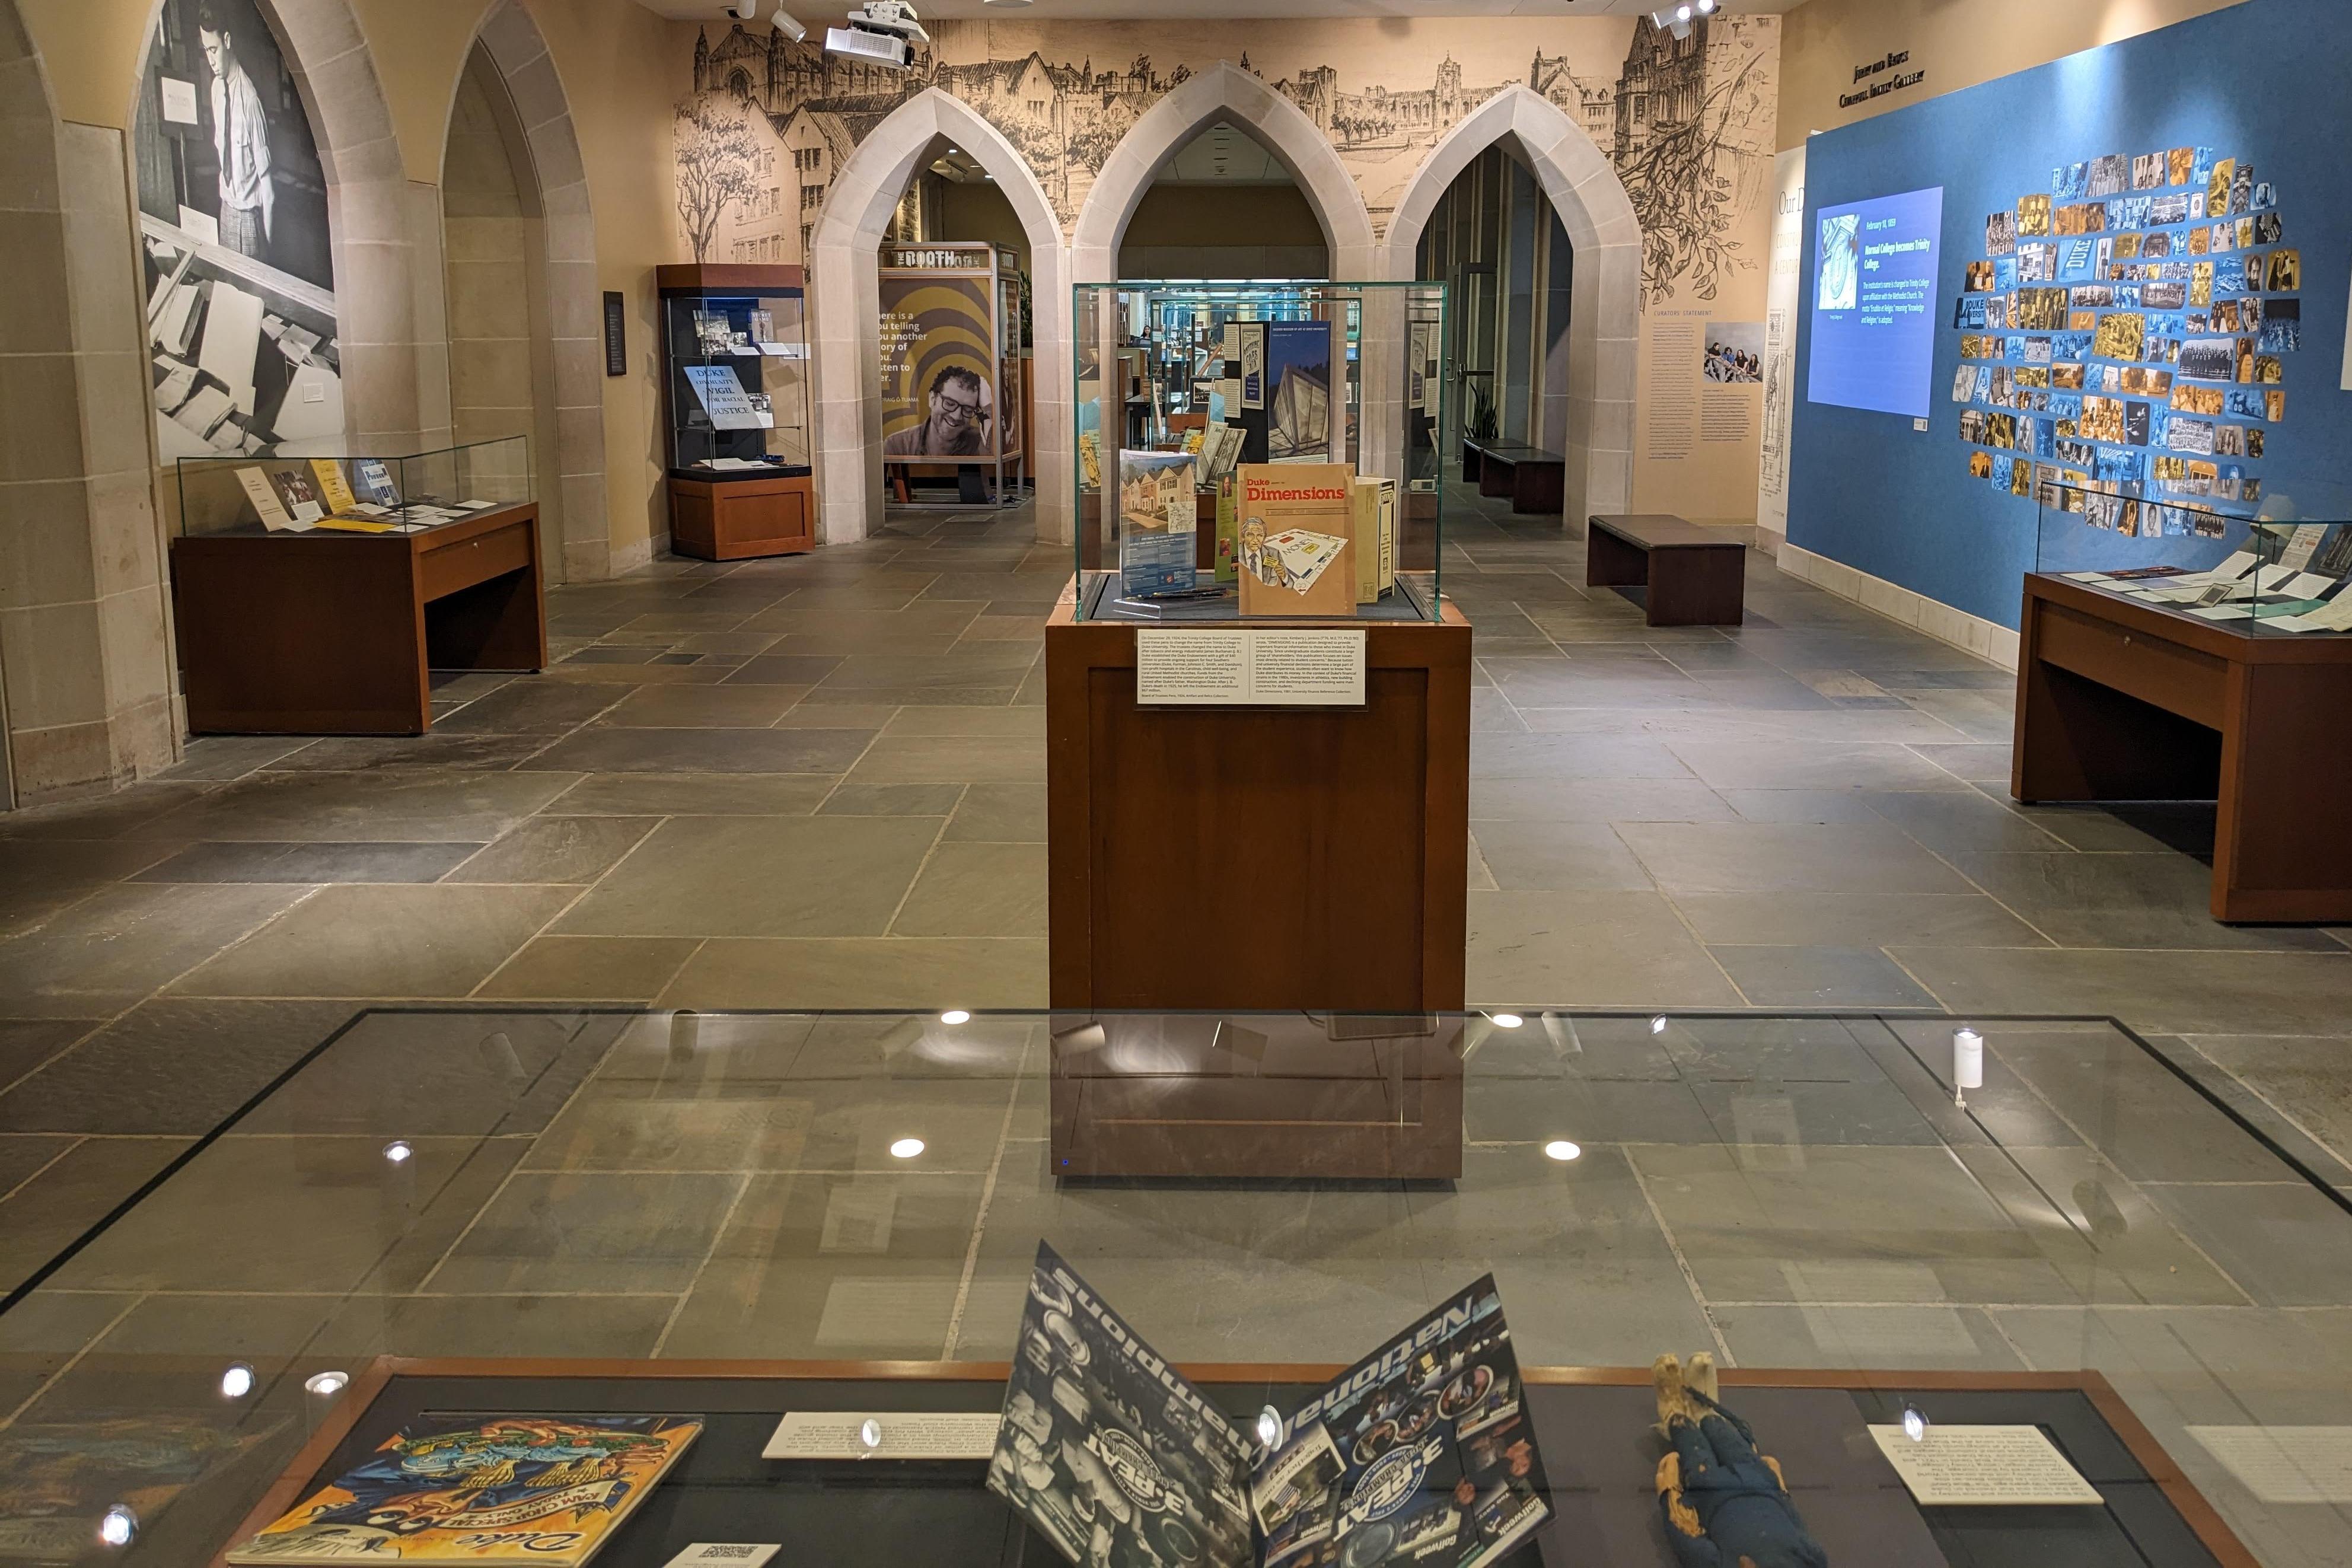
616, 335
1881, 67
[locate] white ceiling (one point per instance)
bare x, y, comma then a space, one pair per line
828, 14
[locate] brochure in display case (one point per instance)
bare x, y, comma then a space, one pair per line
328, 496
1310, 414
1419, 1454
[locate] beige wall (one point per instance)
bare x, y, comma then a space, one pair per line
1959, 43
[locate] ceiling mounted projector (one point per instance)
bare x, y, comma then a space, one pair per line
880, 30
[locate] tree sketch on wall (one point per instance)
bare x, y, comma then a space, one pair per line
1683, 182
1689, 122
718, 162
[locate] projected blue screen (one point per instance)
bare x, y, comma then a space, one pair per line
1874, 303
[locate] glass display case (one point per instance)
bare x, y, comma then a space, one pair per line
2287, 577
2039, 1249
348, 495
1260, 451
736, 378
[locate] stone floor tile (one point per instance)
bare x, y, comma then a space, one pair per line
951, 759
693, 794
48, 1213
168, 1065
1798, 857
1590, 950
404, 941
1854, 919
776, 877
999, 813
1553, 856
590, 968
260, 861
556, 849
26, 1043
977, 890
123, 942
363, 808
2172, 992
1809, 977
1798, 765
889, 971
706, 751
893, 800
703, 707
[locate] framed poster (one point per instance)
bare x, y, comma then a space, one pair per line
951, 379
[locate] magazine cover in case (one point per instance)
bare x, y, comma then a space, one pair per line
477, 1488
1420, 1456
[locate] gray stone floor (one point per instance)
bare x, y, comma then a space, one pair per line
819, 783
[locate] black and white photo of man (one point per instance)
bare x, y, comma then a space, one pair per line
248, 201
957, 424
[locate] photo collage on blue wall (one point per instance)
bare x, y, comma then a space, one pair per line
2124, 341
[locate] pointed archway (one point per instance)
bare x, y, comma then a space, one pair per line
845, 311
1234, 95
566, 264
1604, 327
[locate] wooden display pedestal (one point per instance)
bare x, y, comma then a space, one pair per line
1259, 857
737, 520
332, 634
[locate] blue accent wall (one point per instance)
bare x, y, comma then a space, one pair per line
2269, 81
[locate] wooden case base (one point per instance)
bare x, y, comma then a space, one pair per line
738, 520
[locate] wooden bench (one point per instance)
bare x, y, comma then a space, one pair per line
1696, 576
1535, 479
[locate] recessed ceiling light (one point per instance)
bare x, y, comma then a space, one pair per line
1561, 1149
955, 1016
118, 1526
907, 1148
1507, 1020
1658, 1025
326, 1381
398, 1150
237, 1382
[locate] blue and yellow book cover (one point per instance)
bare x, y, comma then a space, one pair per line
482, 1489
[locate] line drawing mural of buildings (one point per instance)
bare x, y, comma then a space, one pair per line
1686, 122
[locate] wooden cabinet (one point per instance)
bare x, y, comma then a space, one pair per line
333, 634
2122, 700
732, 520
1259, 857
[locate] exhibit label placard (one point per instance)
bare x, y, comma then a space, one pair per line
731, 1553
1249, 668
1984, 1466
905, 1435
